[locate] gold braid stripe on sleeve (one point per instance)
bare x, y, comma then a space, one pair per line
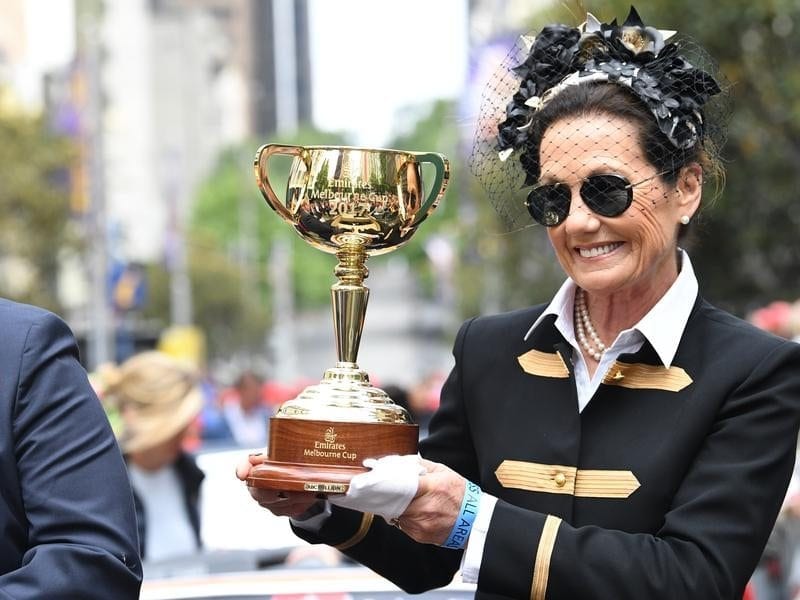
366, 522
541, 568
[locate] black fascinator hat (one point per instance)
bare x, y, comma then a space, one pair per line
672, 76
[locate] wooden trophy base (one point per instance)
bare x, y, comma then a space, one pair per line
307, 455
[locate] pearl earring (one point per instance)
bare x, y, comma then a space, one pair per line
685, 220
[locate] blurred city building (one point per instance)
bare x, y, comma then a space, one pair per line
181, 80
152, 91
28, 51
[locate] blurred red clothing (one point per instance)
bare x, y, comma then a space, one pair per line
748, 593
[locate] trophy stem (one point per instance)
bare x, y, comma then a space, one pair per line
349, 296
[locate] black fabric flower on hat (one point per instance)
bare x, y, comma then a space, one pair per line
615, 69
633, 41
551, 55
549, 61
675, 92
631, 54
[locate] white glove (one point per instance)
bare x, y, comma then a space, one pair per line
386, 489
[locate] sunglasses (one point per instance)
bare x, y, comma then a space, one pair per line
607, 195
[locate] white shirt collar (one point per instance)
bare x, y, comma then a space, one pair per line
663, 326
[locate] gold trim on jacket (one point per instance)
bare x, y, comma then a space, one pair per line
561, 479
628, 375
544, 552
360, 534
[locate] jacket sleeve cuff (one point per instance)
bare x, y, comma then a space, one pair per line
506, 552
343, 529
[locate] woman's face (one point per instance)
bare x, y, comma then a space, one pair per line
161, 455
633, 253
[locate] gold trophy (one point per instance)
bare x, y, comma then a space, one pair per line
352, 202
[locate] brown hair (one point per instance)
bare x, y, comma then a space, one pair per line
617, 101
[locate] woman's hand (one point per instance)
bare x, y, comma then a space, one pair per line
283, 504
429, 518
433, 511
386, 489
243, 468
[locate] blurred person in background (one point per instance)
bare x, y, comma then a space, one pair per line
66, 510
627, 440
776, 317
771, 579
789, 522
777, 576
158, 398
245, 411
213, 427
404, 397
424, 398
416, 400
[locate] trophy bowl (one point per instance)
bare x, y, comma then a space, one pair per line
354, 203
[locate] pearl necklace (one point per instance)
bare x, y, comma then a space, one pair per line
584, 329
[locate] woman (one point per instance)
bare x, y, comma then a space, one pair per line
245, 413
158, 398
627, 440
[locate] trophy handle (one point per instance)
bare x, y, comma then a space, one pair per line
442, 166
262, 175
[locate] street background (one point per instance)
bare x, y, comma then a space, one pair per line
130, 207
128, 203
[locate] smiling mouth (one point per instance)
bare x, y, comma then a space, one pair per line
598, 250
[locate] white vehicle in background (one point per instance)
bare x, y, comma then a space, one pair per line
250, 553
230, 519
340, 583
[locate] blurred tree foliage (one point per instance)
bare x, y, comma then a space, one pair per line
231, 320
232, 237
34, 208
745, 250
434, 130
487, 272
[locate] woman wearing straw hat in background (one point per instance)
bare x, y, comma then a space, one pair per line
158, 398
628, 440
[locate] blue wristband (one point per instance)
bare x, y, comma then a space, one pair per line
466, 517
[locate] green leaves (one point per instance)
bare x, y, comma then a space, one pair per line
34, 208
231, 243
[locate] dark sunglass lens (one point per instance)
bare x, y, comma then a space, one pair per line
607, 195
549, 204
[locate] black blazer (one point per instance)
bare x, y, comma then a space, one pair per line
666, 485
67, 526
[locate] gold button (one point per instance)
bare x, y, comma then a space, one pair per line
560, 479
